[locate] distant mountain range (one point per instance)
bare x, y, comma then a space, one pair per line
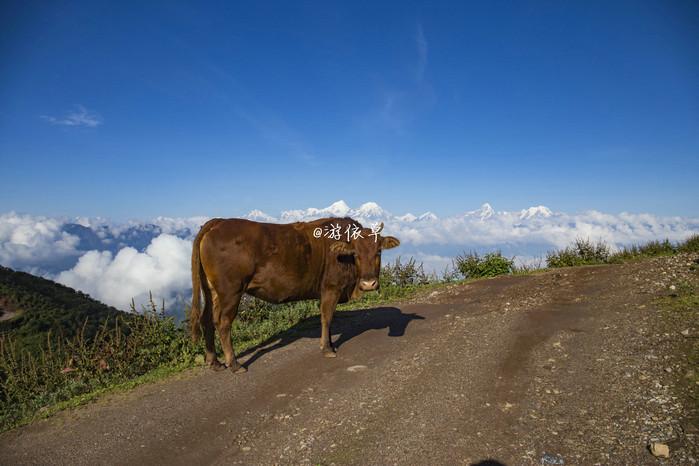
116, 261
85, 234
371, 211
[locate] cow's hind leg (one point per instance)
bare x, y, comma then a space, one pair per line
328, 302
207, 322
228, 310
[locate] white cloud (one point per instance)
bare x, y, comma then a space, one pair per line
163, 269
115, 262
79, 116
29, 242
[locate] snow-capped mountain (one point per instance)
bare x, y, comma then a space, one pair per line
538, 211
259, 216
407, 218
428, 217
368, 210
485, 212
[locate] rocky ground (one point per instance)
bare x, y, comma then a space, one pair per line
588, 365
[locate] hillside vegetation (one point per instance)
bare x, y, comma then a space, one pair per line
585, 252
35, 307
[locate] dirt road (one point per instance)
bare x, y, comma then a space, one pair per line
574, 366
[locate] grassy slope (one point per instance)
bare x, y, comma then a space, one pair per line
44, 306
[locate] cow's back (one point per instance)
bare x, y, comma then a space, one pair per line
275, 262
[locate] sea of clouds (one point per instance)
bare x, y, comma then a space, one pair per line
115, 262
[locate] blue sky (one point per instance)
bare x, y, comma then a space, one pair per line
137, 109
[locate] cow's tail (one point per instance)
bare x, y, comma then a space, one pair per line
199, 282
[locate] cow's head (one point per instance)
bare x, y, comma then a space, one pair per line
367, 255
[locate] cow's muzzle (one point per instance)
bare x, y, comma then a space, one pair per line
368, 285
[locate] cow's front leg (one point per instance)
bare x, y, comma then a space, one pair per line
328, 302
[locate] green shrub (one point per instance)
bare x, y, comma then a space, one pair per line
471, 265
691, 244
585, 252
581, 252
649, 249
403, 274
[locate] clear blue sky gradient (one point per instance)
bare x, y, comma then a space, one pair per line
219, 108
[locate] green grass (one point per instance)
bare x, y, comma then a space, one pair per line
34, 380
691, 244
649, 249
585, 252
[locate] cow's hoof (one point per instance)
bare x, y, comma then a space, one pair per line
237, 369
216, 366
329, 353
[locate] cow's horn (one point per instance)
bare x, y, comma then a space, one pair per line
380, 227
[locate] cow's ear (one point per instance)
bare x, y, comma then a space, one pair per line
388, 242
340, 247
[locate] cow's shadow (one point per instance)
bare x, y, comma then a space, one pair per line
346, 324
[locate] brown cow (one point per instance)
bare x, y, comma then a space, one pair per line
279, 263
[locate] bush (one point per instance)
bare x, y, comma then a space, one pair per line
471, 265
691, 244
649, 249
581, 252
402, 275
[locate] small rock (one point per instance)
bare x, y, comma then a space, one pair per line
685, 332
357, 368
668, 369
673, 287
245, 448
660, 450
548, 458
